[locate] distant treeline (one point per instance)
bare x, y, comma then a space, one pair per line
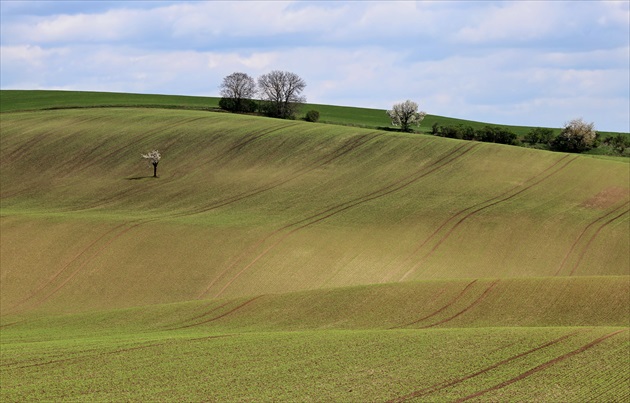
539, 137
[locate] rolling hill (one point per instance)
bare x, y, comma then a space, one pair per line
286, 260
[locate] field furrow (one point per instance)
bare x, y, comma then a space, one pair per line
39, 295
490, 203
418, 248
231, 311
542, 367
448, 304
320, 162
441, 162
467, 308
583, 233
449, 383
284, 260
592, 238
100, 158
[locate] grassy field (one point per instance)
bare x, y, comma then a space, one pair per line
16, 100
289, 261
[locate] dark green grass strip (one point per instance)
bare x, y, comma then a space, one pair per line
541, 366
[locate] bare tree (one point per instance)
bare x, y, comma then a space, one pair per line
406, 114
237, 91
281, 92
154, 159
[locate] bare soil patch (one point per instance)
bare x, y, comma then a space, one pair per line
607, 197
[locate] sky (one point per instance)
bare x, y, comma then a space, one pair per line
531, 63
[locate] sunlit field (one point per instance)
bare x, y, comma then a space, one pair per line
281, 260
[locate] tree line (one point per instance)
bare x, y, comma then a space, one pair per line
577, 136
276, 94
279, 94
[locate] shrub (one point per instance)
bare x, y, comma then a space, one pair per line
238, 105
312, 116
492, 134
435, 129
577, 136
618, 143
539, 135
451, 132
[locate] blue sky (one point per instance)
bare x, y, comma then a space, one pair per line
535, 63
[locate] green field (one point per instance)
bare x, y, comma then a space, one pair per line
278, 260
17, 100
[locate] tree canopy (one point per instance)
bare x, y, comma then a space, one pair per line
406, 114
281, 92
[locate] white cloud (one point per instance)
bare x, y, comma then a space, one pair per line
519, 21
509, 62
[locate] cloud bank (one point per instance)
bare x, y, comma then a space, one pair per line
524, 63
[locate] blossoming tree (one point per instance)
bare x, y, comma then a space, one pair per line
406, 114
154, 158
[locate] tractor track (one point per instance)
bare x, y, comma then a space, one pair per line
590, 241
320, 162
542, 366
240, 306
344, 149
251, 138
52, 278
447, 384
105, 353
397, 185
448, 304
41, 299
23, 149
90, 259
492, 202
204, 314
469, 307
454, 216
137, 140
174, 175
577, 240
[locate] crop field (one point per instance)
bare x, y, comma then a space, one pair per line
16, 100
276, 260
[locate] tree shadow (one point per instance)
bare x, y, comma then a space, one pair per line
389, 129
135, 178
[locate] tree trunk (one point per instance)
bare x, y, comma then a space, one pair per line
155, 170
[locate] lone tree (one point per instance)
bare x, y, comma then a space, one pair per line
154, 158
406, 114
576, 136
280, 91
237, 91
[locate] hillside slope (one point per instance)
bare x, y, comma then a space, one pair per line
287, 261
265, 206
